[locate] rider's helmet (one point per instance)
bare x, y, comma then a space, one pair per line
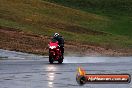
56, 34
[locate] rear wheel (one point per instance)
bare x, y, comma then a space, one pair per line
60, 60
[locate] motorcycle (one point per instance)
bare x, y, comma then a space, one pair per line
55, 52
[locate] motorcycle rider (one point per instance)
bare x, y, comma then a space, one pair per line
60, 40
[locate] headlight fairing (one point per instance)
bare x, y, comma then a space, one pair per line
52, 47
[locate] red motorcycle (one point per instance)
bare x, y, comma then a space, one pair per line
55, 52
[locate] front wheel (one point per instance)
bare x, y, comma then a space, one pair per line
51, 60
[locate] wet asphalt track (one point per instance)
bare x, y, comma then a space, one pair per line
20, 70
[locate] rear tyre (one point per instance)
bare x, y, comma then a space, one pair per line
60, 60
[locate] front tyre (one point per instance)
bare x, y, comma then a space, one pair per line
51, 60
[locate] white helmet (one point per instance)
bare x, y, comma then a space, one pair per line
56, 34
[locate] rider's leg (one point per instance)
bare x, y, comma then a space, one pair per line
62, 50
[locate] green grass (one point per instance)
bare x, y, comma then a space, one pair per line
99, 6
76, 20
118, 11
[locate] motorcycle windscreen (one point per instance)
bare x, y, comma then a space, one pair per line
53, 44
